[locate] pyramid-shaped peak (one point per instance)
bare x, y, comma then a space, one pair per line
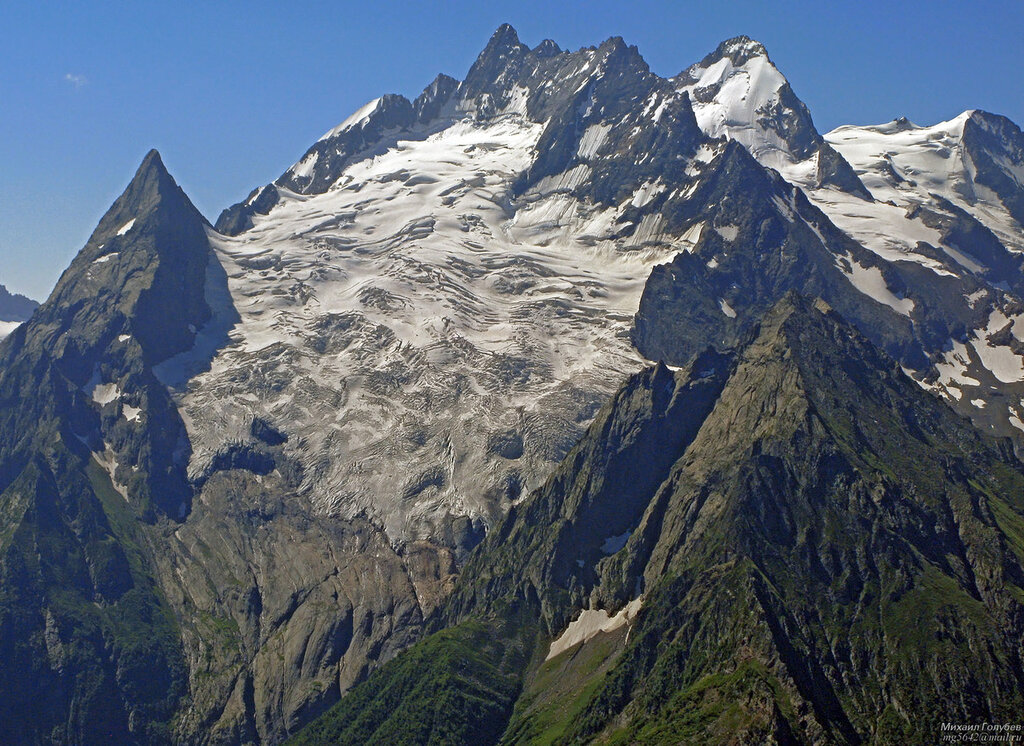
152, 195
152, 185
503, 39
153, 174
547, 48
503, 54
153, 161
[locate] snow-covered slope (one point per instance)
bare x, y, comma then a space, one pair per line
430, 333
737, 92
907, 166
6, 327
436, 297
948, 196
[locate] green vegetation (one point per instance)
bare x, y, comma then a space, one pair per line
456, 686
558, 690
81, 612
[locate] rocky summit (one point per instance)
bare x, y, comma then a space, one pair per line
14, 309
562, 403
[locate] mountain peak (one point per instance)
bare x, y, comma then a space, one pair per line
145, 262
503, 42
738, 92
14, 307
503, 45
547, 48
740, 49
150, 188
152, 160
505, 34
152, 175
615, 48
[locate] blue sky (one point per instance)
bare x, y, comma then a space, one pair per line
232, 93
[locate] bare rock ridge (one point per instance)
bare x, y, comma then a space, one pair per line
14, 306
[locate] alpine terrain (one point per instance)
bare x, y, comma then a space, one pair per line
563, 403
14, 309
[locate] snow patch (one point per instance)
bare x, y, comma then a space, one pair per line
104, 393
126, 227
1006, 365
592, 622
646, 193
728, 232
304, 168
869, 281
592, 140
954, 365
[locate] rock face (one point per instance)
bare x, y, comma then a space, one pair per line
792, 544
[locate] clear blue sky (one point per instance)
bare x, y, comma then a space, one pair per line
232, 93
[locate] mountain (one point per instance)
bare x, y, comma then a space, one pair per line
975, 161
454, 298
92, 451
142, 605
14, 309
465, 227
791, 544
737, 92
941, 199
244, 466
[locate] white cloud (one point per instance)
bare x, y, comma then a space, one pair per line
76, 80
